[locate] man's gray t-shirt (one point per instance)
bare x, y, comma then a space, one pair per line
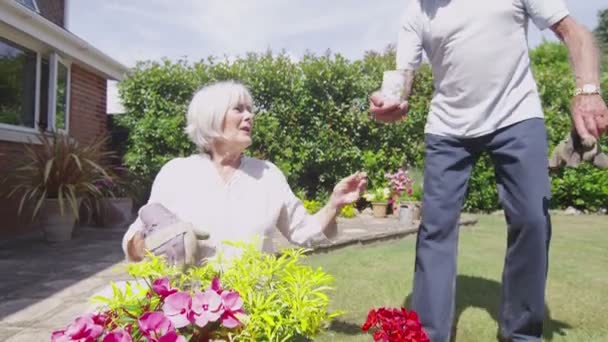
478, 51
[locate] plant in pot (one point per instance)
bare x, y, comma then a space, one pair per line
411, 200
53, 177
379, 199
115, 205
399, 183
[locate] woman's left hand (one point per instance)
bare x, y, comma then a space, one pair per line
348, 190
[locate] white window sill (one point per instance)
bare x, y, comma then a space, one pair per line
19, 134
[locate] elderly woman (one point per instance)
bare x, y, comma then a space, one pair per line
229, 195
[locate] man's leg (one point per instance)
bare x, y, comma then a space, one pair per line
448, 164
519, 153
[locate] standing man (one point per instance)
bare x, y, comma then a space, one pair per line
486, 100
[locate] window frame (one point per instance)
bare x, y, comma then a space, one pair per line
54, 60
16, 133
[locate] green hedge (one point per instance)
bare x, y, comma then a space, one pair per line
312, 120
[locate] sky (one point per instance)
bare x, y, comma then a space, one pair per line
134, 30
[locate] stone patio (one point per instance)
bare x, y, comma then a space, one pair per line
44, 286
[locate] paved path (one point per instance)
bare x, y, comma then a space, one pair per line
43, 286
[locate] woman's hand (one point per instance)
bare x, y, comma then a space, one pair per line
348, 190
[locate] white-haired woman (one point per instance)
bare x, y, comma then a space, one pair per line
229, 195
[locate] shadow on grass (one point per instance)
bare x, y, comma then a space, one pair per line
345, 328
483, 293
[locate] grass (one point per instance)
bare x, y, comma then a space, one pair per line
577, 289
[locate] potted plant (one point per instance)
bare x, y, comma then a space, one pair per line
412, 198
115, 205
53, 177
379, 200
400, 183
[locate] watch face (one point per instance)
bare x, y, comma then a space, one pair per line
589, 88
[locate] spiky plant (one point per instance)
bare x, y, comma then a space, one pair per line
59, 168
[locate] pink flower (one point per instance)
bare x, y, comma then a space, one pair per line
155, 326
83, 329
207, 307
233, 305
215, 285
178, 308
172, 336
163, 288
118, 335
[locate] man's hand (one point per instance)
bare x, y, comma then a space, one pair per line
386, 112
589, 112
590, 116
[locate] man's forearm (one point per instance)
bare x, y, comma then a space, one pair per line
408, 83
583, 51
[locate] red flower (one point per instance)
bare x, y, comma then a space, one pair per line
394, 325
371, 320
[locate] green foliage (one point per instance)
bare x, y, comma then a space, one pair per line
601, 34
312, 119
378, 195
348, 211
284, 299
312, 205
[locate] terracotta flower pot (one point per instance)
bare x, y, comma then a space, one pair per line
379, 209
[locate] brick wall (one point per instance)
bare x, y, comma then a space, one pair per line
88, 120
53, 10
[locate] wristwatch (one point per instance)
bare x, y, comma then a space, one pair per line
587, 89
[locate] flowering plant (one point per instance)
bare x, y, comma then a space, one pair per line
394, 325
256, 296
169, 315
378, 195
399, 182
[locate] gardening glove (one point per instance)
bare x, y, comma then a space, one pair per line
166, 235
572, 151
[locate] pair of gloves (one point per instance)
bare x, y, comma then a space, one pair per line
573, 151
166, 235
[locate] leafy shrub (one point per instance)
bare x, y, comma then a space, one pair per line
348, 211
312, 206
312, 119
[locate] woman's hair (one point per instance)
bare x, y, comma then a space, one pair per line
208, 108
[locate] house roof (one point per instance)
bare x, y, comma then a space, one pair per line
65, 42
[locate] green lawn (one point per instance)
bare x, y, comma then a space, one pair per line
381, 275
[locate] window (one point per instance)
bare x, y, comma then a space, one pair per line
43, 120
34, 90
61, 107
18, 68
31, 4
59, 78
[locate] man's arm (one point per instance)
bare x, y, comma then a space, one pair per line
408, 59
589, 112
